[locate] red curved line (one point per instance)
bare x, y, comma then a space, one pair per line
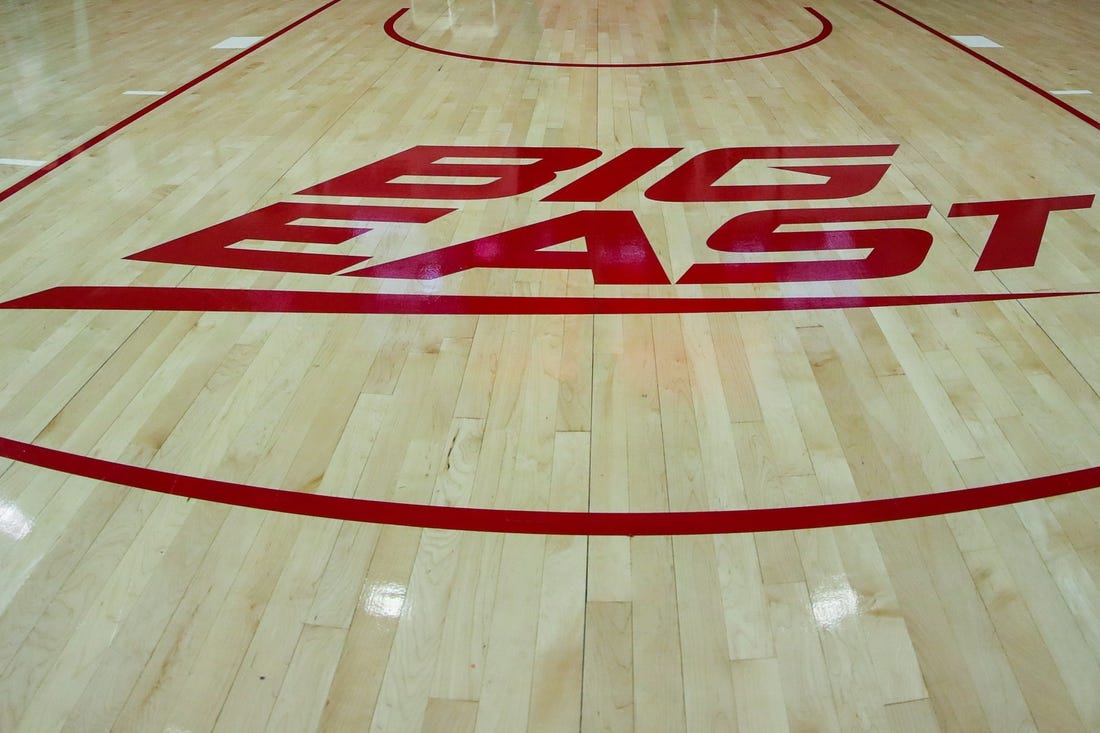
391, 31
550, 522
299, 301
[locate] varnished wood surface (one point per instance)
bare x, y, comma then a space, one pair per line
131, 610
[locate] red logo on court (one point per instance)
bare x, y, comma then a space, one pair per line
617, 249
775, 242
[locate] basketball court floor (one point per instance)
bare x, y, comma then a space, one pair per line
459, 365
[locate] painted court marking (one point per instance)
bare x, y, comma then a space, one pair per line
92, 142
238, 42
144, 92
22, 162
977, 42
1010, 74
226, 300
110, 131
503, 520
1070, 92
392, 32
548, 522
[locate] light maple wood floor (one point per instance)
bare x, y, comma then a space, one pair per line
130, 604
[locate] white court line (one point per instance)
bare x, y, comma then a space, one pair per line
1067, 92
239, 42
145, 92
977, 42
22, 162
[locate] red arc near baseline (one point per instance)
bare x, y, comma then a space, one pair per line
551, 522
392, 32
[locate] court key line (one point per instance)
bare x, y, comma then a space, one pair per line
989, 62
392, 32
97, 139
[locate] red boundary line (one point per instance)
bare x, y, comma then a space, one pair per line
92, 142
550, 522
301, 301
1010, 74
391, 31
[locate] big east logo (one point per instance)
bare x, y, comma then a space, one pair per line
780, 239
617, 250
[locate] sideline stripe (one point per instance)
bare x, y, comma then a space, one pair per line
1010, 74
130, 298
550, 522
92, 142
391, 31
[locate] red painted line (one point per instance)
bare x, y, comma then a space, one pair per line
298, 301
1010, 74
97, 139
549, 522
391, 31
